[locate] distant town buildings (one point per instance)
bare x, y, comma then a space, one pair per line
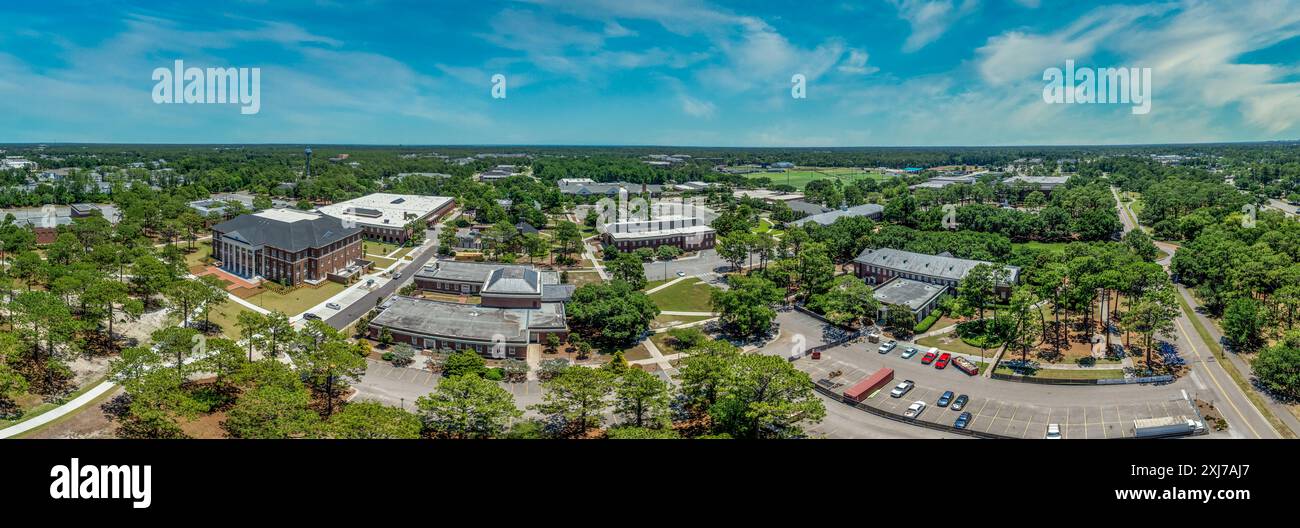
500, 172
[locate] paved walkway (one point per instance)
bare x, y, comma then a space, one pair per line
666, 284
657, 357
699, 314
55, 413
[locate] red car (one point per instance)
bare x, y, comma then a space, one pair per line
943, 360
928, 358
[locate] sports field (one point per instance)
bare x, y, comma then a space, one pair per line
800, 176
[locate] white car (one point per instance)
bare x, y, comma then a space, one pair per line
681, 274
914, 409
888, 346
333, 306
902, 389
1053, 431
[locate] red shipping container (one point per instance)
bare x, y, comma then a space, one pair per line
875, 381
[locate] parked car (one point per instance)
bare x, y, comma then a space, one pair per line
333, 306
928, 358
960, 403
963, 420
944, 399
914, 409
681, 274
902, 388
911, 351
943, 360
1053, 432
310, 315
888, 346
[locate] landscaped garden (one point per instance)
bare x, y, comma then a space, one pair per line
298, 300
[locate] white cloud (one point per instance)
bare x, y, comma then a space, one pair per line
930, 19
696, 107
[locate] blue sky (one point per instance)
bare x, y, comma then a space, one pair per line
664, 72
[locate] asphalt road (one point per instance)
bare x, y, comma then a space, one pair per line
1282, 206
354, 311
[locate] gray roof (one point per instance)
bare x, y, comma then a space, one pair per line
265, 230
806, 207
467, 321
922, 264
557, 292
828, 218
607, 188
906, 292
513, 280
480, 272
1045, 183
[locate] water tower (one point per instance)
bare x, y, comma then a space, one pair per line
308, 154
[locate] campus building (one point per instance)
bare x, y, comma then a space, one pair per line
286, 245
1046, 184
918, 297
519, 305
388, 217
871, 211
879, 266
690, 233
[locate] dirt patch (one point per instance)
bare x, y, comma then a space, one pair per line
206, 426
1212, 416
89, 422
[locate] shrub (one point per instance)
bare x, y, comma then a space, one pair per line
516, 371
551, 368
926, 323
494, 374
401, 356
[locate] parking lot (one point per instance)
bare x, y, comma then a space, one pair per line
839, 369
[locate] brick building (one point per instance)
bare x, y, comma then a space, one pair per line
285, 245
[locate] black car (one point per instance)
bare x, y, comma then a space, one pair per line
963, 420
944, 399
310, 315
960, 403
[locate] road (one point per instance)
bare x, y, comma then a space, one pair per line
1288, 209
1207, 377
350, 313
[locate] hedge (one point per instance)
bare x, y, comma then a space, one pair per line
926, 323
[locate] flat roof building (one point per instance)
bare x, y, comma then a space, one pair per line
519, 305
871, 211
1045, 184
387, 216
878, 266
918, 297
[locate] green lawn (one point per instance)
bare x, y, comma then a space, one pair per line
202, 250
689, 295
661, 321
298, 300
380, 262
1055, 247
799, 177
373, 247
951, 343
579, 278
226, 314
1048, 373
